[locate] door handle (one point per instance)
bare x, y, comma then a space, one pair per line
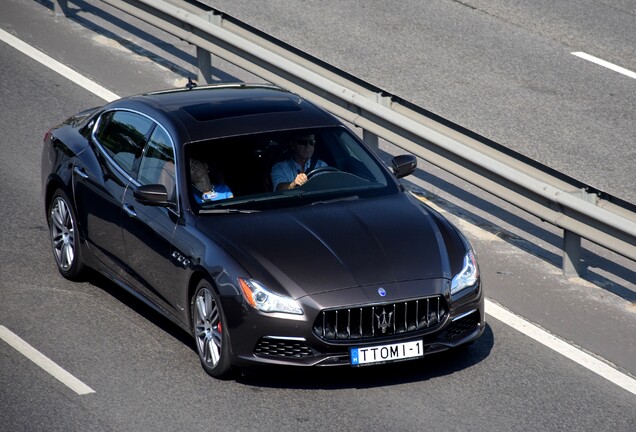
130, 211
80, 172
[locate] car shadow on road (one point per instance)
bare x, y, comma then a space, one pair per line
330, 378
343, 377
135, 304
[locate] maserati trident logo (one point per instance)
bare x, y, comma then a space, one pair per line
381, 291
384, 320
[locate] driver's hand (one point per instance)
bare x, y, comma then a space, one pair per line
300, 180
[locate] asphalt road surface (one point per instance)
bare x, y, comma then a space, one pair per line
143, 372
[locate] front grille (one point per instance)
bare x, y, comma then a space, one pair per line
463, 326
274, 347
366, 322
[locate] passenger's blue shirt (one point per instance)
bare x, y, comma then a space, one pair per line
219, 192
287, 170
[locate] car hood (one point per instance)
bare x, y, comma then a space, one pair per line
325, 247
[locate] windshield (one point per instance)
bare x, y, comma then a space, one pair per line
287, 168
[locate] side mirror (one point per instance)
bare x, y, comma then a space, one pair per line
153, 195
403, 165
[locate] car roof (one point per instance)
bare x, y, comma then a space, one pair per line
209, 112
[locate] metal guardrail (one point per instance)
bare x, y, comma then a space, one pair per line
566, 203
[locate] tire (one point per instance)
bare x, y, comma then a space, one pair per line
65, 237
210, 331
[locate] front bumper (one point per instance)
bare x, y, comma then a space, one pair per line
270, 339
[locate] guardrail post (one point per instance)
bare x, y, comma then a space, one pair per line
204, 65
204, 58
60, 7
572, 263
371, 140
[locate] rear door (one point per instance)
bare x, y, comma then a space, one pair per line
100, 180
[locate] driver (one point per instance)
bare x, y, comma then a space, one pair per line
291, 173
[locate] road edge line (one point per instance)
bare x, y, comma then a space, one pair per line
562, 347
58, 67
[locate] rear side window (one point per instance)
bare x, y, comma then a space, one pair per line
123, 135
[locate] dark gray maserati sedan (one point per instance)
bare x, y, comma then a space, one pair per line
261, 225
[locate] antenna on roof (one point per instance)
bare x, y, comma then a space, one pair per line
191, 84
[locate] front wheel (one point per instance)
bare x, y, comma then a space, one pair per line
65, 237
210, 332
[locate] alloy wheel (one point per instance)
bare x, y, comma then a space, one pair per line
62, 234
208, 328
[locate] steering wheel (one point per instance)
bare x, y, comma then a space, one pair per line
322, 170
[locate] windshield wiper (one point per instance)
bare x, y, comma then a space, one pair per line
227, 210
347, 198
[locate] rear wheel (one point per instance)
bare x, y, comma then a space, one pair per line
65, 237
210, 332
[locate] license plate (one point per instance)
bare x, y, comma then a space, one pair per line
386, 353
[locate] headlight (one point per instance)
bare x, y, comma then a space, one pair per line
468, 276
264, 300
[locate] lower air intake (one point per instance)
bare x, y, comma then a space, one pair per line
286, 348
463, 326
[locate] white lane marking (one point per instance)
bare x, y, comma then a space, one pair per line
44, 362
606, 64
582, 358
58, 67
497, 312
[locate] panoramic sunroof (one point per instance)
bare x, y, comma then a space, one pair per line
216, 110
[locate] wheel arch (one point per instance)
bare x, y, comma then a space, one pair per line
197, 276
218, 278
54, 184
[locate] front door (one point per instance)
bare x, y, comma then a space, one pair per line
147, 230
